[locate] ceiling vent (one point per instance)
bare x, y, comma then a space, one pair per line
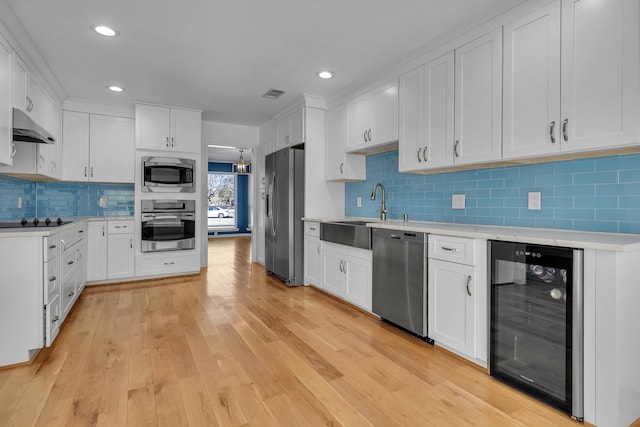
273, 94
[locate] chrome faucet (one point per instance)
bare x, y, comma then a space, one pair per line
383, 208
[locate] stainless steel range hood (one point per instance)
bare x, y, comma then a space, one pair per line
26, 130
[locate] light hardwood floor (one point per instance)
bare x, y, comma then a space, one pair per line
234, 347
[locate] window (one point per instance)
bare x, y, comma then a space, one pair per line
221, 199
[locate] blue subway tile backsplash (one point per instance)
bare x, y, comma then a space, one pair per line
62, 199
597, 194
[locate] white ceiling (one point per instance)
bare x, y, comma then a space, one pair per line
222, 55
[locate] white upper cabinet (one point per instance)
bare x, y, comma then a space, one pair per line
6, 116
600, 74
25, 88
290, 130
571, 78
340, 166
98, 148
478, 100
49, 155
372, 119
531, 104
168, 129
426, 116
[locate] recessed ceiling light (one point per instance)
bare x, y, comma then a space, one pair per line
324, 74
105, 31
116, 89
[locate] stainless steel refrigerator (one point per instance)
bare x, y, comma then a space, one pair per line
284, 208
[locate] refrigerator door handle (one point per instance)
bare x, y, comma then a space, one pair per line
274, 210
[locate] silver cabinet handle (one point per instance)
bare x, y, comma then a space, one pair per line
70, 262
364, 135
312, 228
71, 294
103, 230
29, 104
52, 246
167, 139
53, 166
169, 263
342, 168
52, 278
131, 243
419, 159
344, 267
369, 134
455, 148
13, 150
85, 171
55, 319
468, 281
340, 267
446, 248
172, 142
552, 128
91, 171
425, 151
565, 124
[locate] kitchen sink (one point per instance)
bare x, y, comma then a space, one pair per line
351, 233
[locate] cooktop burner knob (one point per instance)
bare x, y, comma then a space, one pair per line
47, 221
59, 221
23, 221
36, 221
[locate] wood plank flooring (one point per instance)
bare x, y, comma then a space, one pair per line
234, 347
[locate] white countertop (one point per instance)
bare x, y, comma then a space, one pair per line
575, 239
47, 231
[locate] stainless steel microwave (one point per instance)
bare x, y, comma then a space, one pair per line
168, 175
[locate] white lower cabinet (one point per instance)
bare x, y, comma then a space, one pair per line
346, 273
312, 254
120, 252
72, 266
51, 288
457, 296
110, 250
167, 263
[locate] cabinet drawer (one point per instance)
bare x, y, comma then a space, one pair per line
69, 264
50, 246
312, 228
152, 265
120, 227
51, 281
53, 320
455, 249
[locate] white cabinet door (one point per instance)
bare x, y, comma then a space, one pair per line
297, 127
358, 281
332, 273
283, 133
600, 69
186, 130
6, 115
426, 113
383, 114
48, 154
25, 88
312, 261
75, 154
121, 256
153, 127
531, 99
451, 305
97, 251
478, 100
357, 122
111, 156
340, 166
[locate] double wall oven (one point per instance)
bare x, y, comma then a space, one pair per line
168, 225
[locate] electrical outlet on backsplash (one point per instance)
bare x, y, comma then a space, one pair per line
63, 199
599, 194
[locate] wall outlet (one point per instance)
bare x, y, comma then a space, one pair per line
358, 202
103, 202
534, 201
457, 201
19, 202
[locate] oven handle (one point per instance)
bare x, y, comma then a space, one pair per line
164, 216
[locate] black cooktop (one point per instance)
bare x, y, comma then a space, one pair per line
34, 223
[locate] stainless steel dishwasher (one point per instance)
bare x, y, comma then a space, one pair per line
400, 279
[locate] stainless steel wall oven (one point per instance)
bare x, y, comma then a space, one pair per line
168, 225
537, 324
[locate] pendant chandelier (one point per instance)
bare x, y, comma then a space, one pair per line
242, 166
